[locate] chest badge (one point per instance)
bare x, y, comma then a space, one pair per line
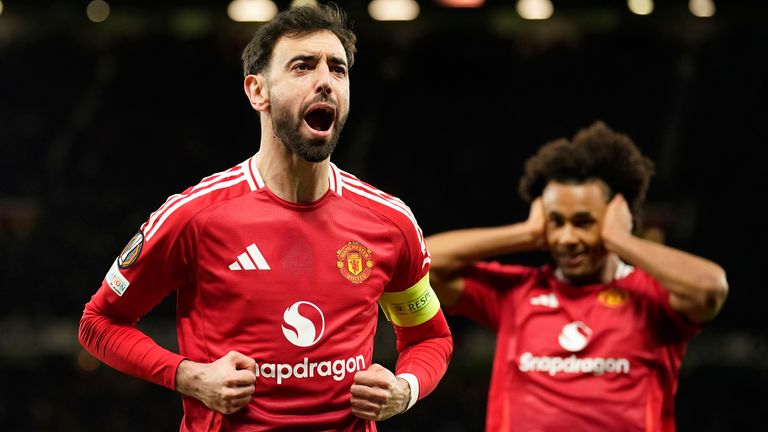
355, 262
612, 297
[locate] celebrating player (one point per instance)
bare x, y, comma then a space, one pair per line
280, 264
595, 343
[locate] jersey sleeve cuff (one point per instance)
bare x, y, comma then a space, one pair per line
414, 383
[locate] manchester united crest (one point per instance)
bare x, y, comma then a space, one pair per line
612, 297
355, 262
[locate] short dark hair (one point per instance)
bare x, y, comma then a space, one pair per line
298, 21
595, 152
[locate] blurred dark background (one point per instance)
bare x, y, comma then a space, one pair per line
101, 121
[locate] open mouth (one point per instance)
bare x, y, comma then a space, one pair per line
320, 117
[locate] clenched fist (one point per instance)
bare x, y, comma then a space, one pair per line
225, 385
378, 395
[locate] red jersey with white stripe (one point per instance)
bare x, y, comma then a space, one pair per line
294, 286
602, 357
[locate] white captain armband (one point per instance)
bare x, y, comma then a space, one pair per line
414, 306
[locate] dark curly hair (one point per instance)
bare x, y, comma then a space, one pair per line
596, 152
298, 21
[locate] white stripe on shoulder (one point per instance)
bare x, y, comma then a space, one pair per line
349, 178
256, 174
236, 171
331, 179
246, 166
155, 214
211, 179
390, 204
335, 178
181, 202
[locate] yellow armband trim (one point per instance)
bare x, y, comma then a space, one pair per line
414, 306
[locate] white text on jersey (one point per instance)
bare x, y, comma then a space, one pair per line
337, 369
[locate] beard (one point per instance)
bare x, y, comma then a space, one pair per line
287, 126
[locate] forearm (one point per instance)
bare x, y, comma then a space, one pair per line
454, 250
425, 352
127, 349
697, 286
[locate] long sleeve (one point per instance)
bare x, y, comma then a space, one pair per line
425, 351
126, 348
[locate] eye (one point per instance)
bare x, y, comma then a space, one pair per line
301, 67
583, 222
555, 220
340, 70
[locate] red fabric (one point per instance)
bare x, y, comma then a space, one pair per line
592, 359
425, 351
265, 277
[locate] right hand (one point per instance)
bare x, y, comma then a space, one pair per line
537, 224
226, 385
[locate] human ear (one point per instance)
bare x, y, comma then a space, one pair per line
256, 91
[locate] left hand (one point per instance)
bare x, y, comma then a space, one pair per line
378, 395
617, 220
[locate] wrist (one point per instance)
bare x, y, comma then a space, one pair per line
410, 385
185, 374
532, 236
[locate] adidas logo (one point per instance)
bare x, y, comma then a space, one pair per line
546, 300
250, 260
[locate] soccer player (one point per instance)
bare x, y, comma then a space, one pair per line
280, 264
595, 342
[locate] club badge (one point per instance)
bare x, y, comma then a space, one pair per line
355, 262
612, 297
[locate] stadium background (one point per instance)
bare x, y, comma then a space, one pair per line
100, 122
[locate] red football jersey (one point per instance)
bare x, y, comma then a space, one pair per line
603, 357
294, 286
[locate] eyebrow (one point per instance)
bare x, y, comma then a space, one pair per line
581, 214
307, 57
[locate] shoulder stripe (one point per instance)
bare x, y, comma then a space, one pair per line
256, 174
217, 177
390, 198
246, 166
211, 179
334, 177
152, 230
390, 204
353, 179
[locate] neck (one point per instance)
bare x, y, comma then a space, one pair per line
290, 177
609, 269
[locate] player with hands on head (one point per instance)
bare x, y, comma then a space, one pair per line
594, 342
280, 265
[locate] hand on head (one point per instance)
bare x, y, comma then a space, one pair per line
617, 219
537, 223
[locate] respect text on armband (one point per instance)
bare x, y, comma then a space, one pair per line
413, 305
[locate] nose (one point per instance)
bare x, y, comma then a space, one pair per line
323, 84
567, 235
